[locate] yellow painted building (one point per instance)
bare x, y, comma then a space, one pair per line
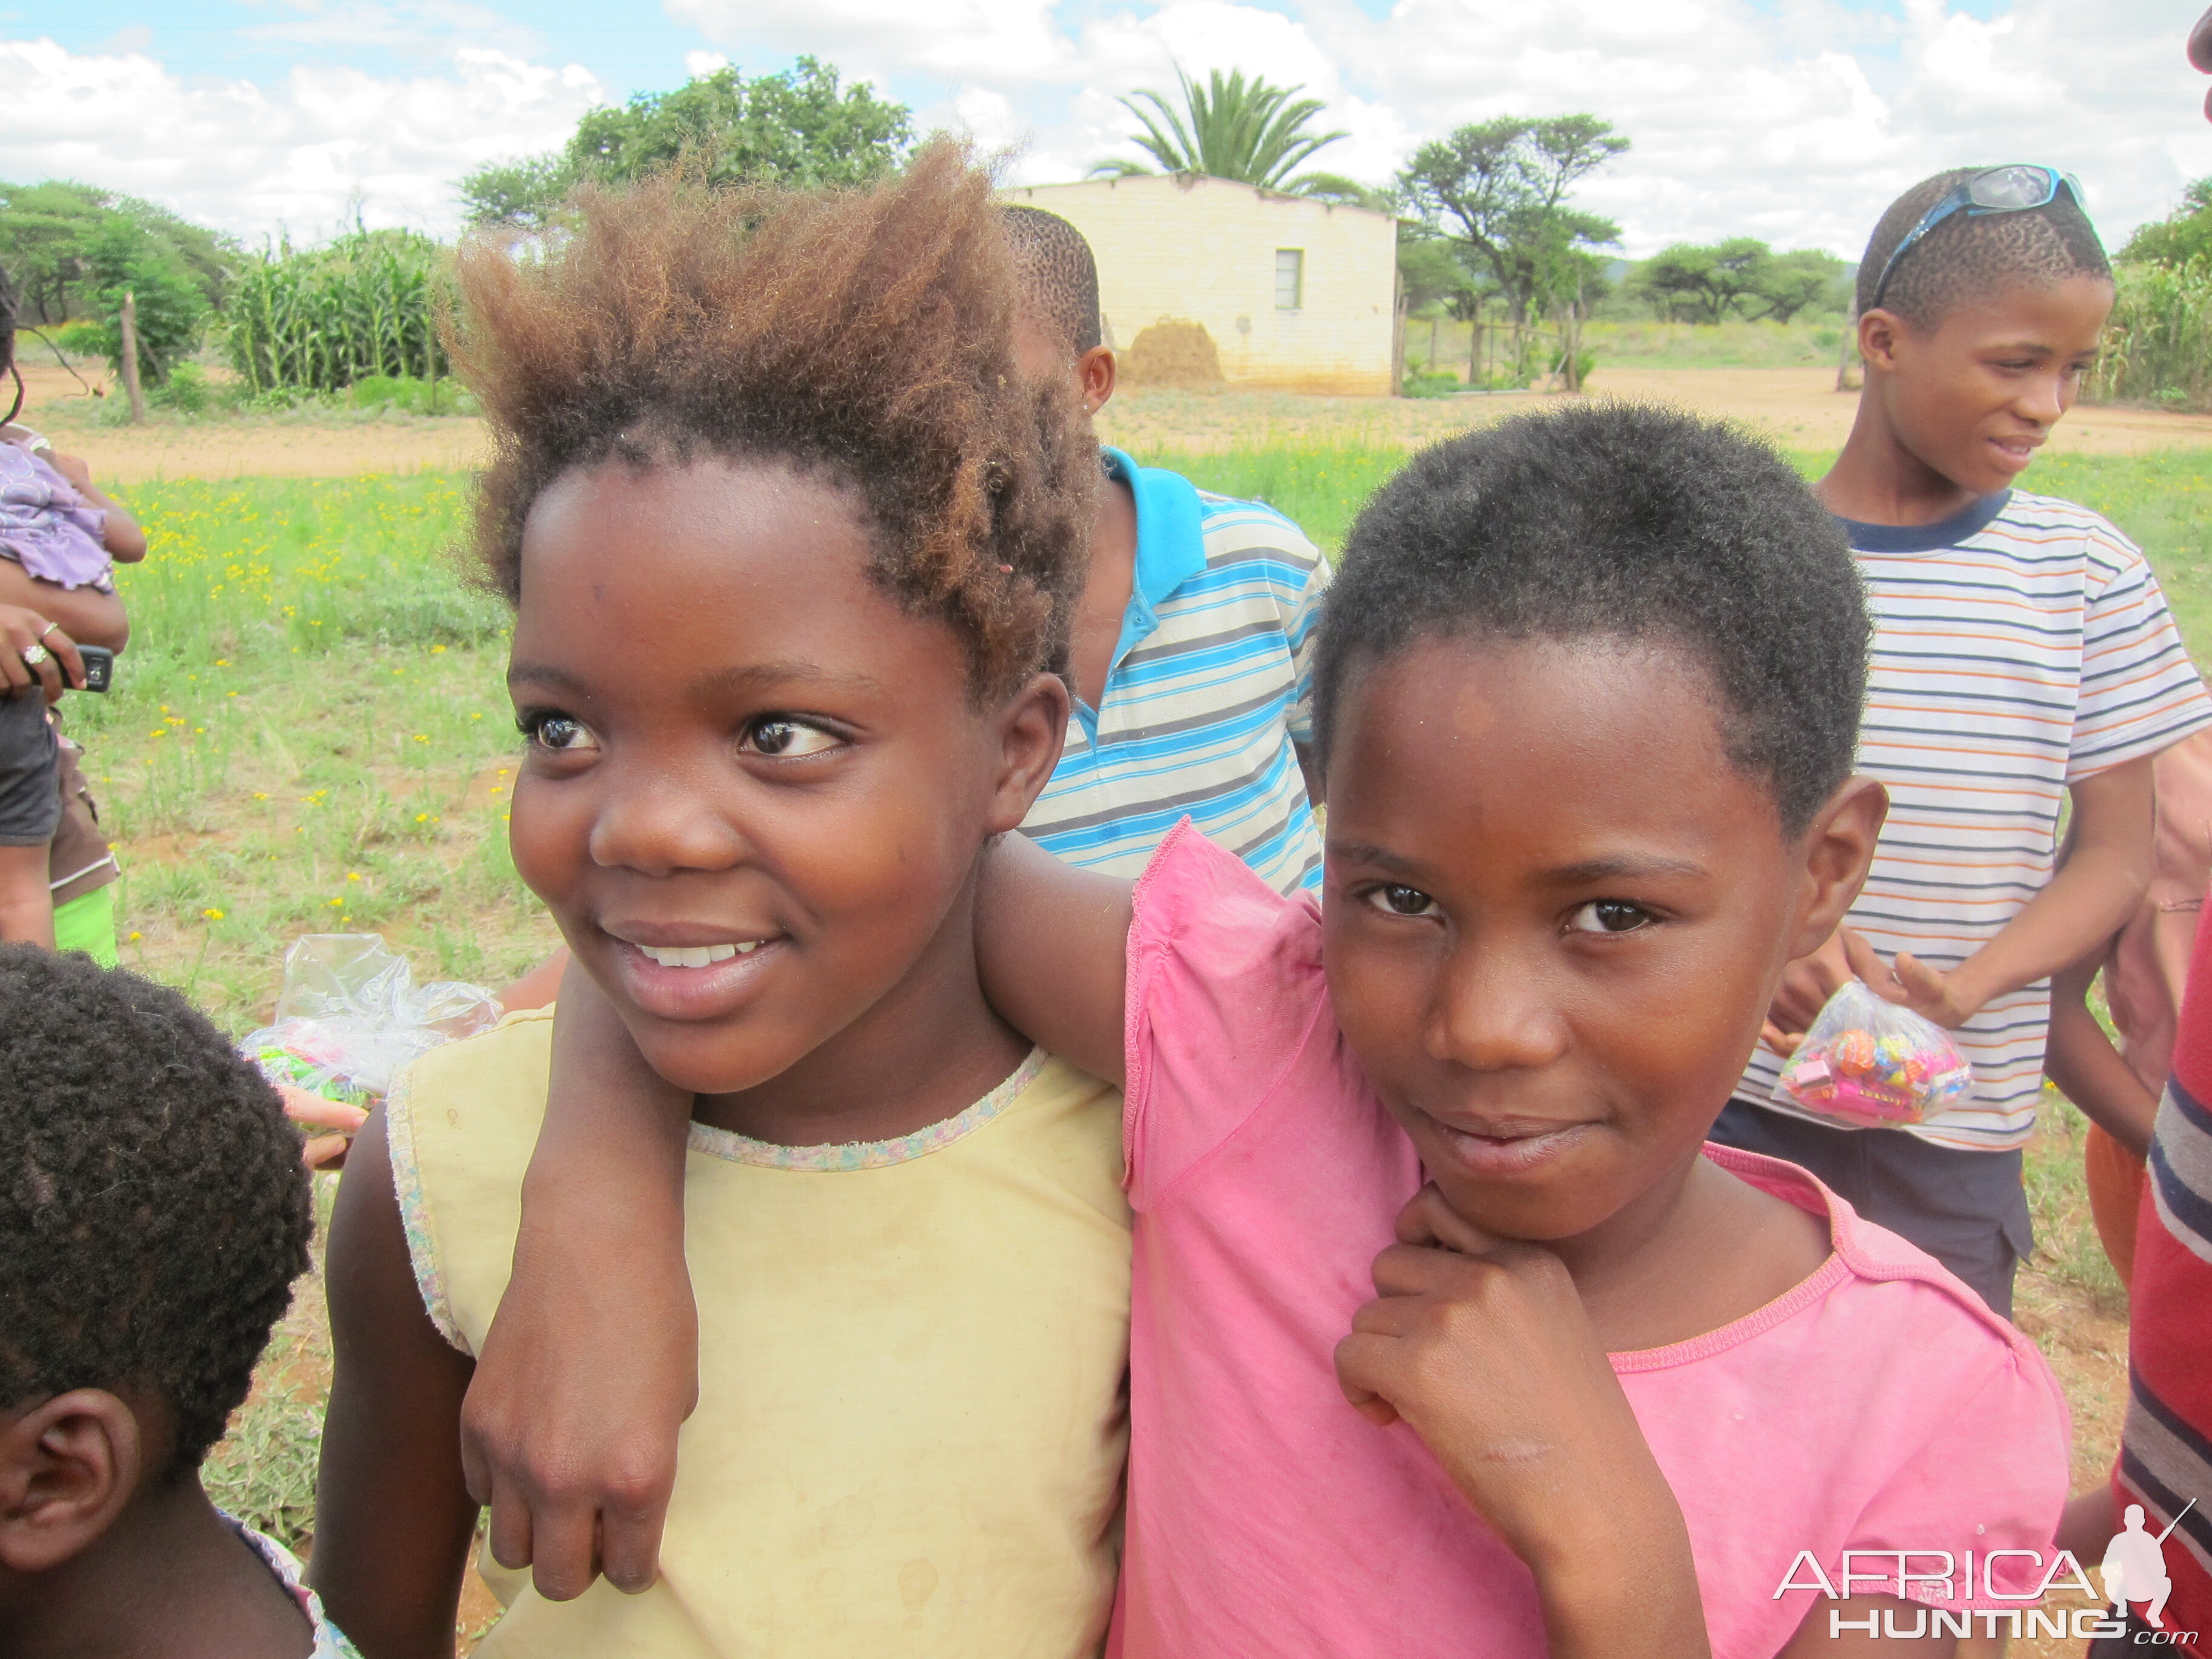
1298, 295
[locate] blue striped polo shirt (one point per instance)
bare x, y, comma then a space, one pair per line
2018, 647
1209, 689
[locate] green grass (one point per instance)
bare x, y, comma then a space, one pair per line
306, 735
1805, 343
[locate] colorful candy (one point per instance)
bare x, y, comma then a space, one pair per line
1872, 1064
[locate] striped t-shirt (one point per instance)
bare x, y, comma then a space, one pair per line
2020, 647
1208, 690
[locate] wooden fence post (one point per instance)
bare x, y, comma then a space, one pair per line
130, 382
1397, 333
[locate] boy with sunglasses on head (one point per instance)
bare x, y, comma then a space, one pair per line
2023, 654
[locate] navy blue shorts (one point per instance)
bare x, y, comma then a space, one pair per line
1968, 1210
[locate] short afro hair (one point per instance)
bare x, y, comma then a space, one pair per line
864, 335
154, 1211
1638, 523
1059, 274
1971, 256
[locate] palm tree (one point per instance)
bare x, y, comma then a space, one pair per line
1251, 131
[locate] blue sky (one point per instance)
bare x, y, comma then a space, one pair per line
1792, 120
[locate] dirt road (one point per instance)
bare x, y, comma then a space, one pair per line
1798, 407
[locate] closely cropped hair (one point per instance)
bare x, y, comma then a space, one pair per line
153, 1208
1636, 523
1059, 274
1971, 257
863, 335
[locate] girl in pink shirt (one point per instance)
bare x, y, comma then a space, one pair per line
1450, 1336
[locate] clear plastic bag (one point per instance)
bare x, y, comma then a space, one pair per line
1872, 1064
350, 1018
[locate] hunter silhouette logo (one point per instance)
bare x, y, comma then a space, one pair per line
2133, 1569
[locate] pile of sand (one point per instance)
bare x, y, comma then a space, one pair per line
1172, 353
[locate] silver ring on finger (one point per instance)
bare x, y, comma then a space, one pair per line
47, 629
34, 656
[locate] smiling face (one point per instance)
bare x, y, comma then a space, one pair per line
1974, 397
755, 787
1555, 915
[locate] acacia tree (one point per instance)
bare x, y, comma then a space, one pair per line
1499, 190
1251, 131
1742, 276
62, 242
1704, 285
801, 128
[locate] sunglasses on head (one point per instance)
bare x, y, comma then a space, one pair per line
2013, 189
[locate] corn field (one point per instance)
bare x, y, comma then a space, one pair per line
2159, 346
320, 320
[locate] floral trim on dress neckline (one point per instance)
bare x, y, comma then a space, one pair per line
415, 1210
331, 1642
869, 1154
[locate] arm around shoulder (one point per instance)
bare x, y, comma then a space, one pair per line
1052, 945
392, 1518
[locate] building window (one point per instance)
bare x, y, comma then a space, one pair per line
1290, 278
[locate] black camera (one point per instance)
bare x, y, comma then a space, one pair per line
99, 666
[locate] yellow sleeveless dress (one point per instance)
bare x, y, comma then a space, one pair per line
912, 1409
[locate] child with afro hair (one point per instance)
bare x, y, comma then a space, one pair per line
152, 1216
791, 543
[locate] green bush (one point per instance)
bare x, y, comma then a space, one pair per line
411, 396
186, 391
2158, 347
1420, 383
123, 257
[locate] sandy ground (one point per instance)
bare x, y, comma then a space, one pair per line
1799, 407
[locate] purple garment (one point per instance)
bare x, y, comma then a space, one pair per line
46, 527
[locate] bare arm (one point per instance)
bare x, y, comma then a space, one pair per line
122, 537
591, 1364
2095, 891
2088, 1071
85, 614
1052, 943
392, 1519
27, 904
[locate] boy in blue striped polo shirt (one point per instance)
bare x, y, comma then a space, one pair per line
1192, 640
2024, 661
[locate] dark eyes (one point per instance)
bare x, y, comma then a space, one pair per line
788, 739
562, 733
1399, 901
1609, 916
777, 737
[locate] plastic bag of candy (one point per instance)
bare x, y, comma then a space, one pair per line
351, 1018
1872, 1064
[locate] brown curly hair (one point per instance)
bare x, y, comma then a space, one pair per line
865, 336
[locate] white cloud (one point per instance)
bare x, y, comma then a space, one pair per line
1795, 121
422, 28
297, 154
